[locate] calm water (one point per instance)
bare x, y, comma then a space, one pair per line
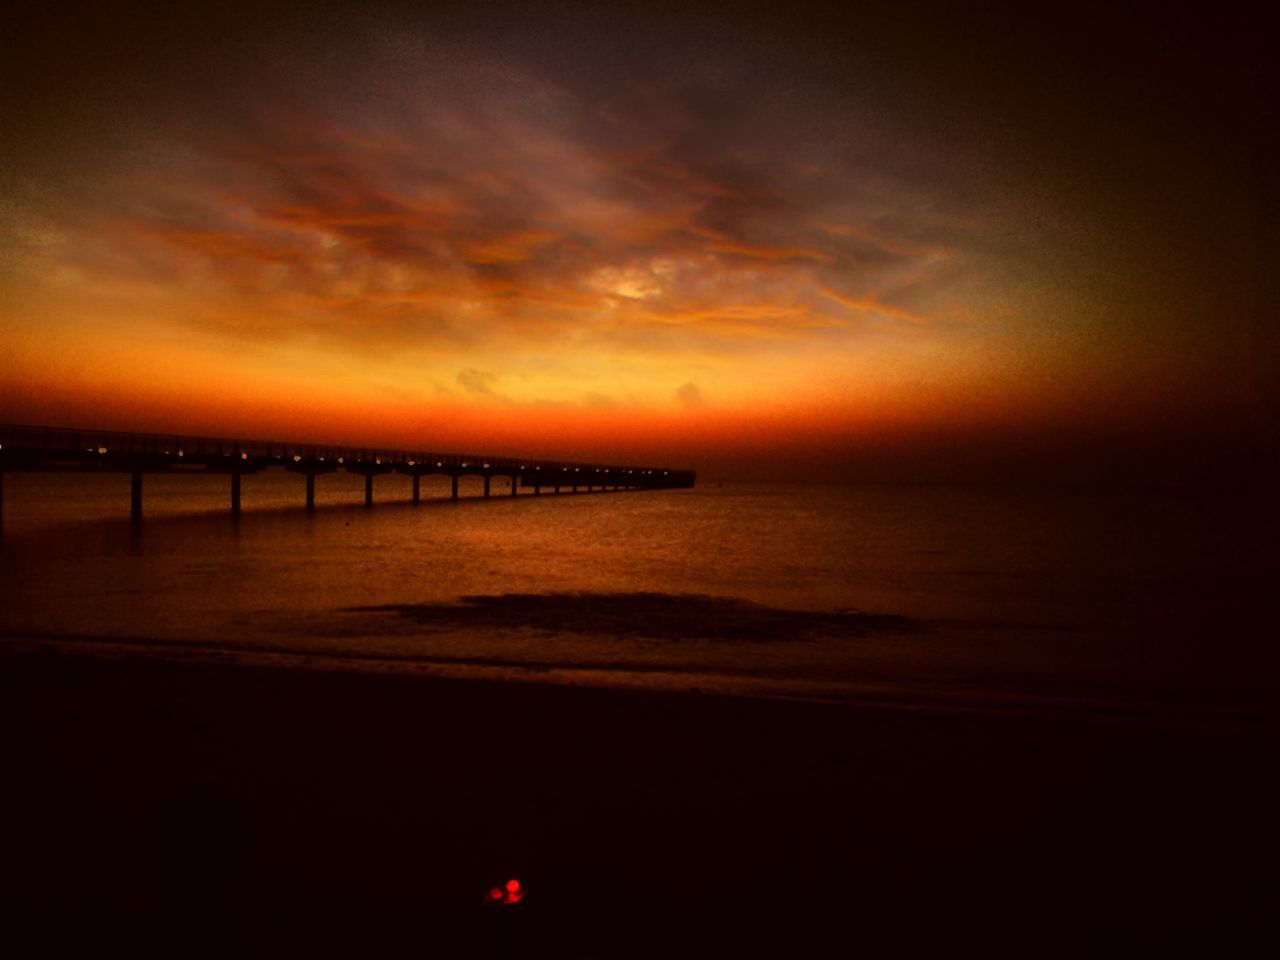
986, 592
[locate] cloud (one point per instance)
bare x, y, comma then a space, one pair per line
477, 381
690, 396
507, 188
434, 201
868, 305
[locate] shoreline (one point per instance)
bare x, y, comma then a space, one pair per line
1239, 715
198, 807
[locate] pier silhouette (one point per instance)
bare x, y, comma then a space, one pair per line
58, 449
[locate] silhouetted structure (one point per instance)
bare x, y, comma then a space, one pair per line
55, 449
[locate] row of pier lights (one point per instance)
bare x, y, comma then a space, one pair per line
52, 449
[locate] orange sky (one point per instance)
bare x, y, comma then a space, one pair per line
389, 230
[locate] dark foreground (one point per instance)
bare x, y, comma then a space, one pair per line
175, 810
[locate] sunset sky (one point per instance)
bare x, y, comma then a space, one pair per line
904, 235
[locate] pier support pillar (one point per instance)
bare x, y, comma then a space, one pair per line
417, 488
486, 486
537, 490
311, 491
135, 497
235, 493
368, 489
453, 493
513, 486
1, 503
557, 488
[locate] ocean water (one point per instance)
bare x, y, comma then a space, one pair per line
1146, 603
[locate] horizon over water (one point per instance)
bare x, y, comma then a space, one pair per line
1085, 600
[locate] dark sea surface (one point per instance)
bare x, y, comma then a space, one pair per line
1130, 603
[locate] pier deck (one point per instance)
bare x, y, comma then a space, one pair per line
57, 449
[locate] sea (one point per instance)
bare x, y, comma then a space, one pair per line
1147, 605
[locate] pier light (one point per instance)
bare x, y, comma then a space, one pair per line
244, 456
102, 449
411, 463
486, 466
297, 459
180, 453
377, 460
340, 459
439, 464
464, 464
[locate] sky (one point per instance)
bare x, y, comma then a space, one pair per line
895, 241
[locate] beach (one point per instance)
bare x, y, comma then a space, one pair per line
201, 808
764, 720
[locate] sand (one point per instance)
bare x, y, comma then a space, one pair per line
197, 809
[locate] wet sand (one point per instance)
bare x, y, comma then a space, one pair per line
186, 809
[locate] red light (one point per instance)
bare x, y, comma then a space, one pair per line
510, 892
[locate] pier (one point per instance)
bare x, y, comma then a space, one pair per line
57, 449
